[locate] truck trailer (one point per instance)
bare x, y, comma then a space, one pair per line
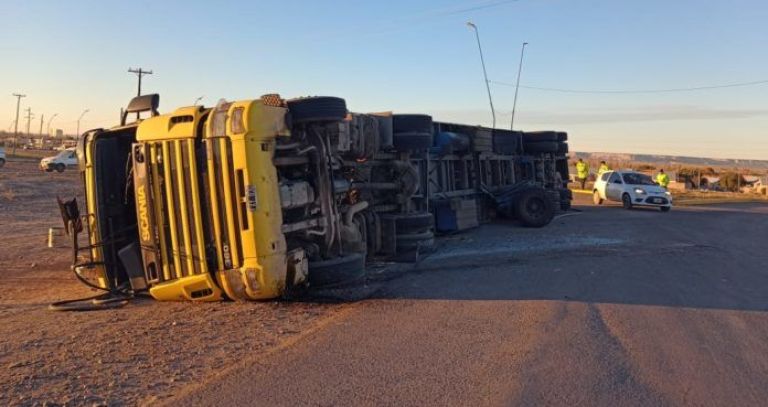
255, 199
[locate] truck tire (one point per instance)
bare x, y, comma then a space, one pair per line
562, 148
562, 136
566, 196
412, 141
506, 141
411, 242
411, 123
317, 109
59, 167
533, 208
412, 223
337, 271
542, 147
540, 136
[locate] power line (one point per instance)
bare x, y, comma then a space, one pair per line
637, 91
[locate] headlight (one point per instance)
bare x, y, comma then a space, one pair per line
668, 193
640, 191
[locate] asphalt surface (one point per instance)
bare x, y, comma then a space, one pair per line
603, 308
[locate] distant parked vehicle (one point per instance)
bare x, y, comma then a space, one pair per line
2, 157
65, 159
631, 189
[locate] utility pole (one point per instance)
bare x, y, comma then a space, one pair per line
485, 74
517, 87
18, 97
41, 125
139, 72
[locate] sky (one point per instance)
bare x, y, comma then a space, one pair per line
411, 57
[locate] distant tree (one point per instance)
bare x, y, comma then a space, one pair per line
645, 167
731, 181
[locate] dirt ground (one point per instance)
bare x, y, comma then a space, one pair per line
138, 354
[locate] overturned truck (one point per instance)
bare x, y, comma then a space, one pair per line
252, 199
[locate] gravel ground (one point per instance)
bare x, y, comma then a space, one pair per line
138, 354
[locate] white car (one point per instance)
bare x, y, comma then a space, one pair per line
2, 157
631, 189
65, 159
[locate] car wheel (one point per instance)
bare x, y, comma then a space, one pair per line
60, 167
337, 271
317, 109
665, 208
626, 201
2, 162
596, 198
534, 209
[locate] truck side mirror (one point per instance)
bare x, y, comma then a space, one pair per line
143, 103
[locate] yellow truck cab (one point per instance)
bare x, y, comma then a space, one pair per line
208, 204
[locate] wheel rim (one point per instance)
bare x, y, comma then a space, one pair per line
535, 207
626, 200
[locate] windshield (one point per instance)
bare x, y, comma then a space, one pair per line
634, 178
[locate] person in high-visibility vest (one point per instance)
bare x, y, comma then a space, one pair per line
662, 178
603, 168
582, 172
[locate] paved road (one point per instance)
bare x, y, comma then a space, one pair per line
607, 308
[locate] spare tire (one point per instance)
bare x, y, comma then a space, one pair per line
411, 123
542, 147
337, 271
317, 109
533, 208
539, 136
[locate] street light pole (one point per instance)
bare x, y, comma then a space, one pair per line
18, 97
517, 86
49, 123
485, 73
78, 122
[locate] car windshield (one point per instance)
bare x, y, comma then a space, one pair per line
634, 178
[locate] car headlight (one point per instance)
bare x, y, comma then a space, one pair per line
667, 193
640, 191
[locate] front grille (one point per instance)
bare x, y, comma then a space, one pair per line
656, 200
168, 175
227, 190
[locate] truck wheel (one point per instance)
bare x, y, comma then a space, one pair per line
596, 198
412, 223
411, 123
562, 148
562, 136
565, 199
59, 167
534, 209
337, 271
541, 147
412, 132
412, 141
540, 136
626, 201
2, 162
317, 109
407, 243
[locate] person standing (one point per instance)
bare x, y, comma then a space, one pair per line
582, 172
603, 168
662, 178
